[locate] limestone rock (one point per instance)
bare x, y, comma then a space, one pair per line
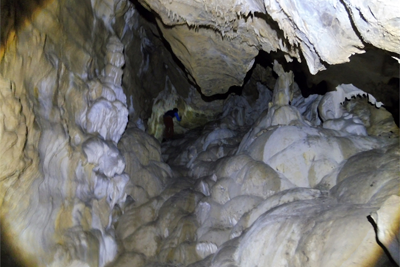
322, 33
234, 57
325, 229
129, 259
369, 19
386, 218
268, 179
375, 182
145, 240
12, 131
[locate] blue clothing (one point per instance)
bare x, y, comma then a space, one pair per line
171, 113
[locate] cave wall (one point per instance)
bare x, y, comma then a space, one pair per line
75, 74
149, 64
295, 187
63, 110
322, 34
72, 73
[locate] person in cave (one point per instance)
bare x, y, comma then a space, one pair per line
169, 123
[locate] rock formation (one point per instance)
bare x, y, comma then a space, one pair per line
272, 172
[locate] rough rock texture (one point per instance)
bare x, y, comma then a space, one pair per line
153, 79
63, 111
149, 67
264, 177
233, 58
285, 191
339, 29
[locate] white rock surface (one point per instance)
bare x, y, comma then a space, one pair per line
66, 171
328, 32
290, 195
279, 181
387, 228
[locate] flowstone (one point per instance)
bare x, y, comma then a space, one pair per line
281, 180
286, 193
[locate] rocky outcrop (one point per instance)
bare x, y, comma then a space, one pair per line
322, 33
63, 111
264, 177
284, 191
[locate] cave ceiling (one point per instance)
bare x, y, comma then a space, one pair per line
217, 41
